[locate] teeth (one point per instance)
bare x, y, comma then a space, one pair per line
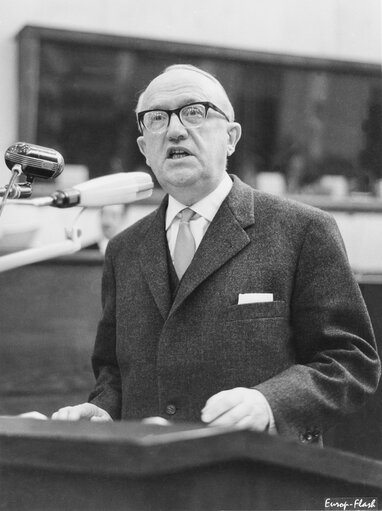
178, 153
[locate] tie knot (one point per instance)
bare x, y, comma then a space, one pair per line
186, 215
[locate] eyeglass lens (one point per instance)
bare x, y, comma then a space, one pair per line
190, 115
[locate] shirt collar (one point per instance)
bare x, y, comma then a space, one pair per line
206, 207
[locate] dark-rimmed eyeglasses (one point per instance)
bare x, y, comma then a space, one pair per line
192, 115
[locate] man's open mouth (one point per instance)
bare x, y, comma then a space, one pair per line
175, 154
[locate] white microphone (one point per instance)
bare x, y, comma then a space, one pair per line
121, 188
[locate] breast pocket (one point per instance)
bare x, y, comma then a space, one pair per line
254, 340
262, 310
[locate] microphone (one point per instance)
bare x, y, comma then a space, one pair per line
120, 188
34, 160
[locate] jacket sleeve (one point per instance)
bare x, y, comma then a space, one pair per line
107, 391
337, 366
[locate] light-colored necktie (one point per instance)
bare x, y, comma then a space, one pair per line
185, 243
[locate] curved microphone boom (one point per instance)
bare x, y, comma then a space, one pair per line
36, 161
120, 188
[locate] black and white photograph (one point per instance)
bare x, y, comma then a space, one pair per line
190, 255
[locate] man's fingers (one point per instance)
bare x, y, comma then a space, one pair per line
101, 418
69, 413
220, 403
239, 407
232, 415
83, 411
245, 423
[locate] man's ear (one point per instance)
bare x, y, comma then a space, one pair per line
234, 134
142, 147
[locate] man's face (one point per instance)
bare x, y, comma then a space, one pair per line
112, 219
199, 166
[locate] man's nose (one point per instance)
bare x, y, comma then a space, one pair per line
175, 128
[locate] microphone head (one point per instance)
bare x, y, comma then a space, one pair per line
35, 161
120, 188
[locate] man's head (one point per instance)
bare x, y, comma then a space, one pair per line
187, 151
112, 219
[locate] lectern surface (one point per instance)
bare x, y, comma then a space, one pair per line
48, 465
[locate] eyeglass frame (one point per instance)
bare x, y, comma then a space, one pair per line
207, 105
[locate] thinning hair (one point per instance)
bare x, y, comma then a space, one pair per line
189, 67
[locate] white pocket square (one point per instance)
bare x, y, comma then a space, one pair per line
254, 298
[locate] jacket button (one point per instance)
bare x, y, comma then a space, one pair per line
305, 437
310, 436
170, 409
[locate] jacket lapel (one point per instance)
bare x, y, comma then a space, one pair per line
224, 238
153, 260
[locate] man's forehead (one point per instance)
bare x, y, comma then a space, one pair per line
177, 86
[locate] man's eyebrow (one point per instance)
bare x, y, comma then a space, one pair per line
185, 102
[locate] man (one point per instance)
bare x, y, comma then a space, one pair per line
112, 220
264, 327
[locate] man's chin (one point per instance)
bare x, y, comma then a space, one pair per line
181, 176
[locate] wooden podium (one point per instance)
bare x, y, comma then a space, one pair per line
53, 466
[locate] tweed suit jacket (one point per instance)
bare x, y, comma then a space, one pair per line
311, 351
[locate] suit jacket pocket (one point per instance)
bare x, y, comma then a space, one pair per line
276, 309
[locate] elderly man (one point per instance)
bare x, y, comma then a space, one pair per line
225, 305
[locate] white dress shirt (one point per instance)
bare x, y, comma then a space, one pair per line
207, 209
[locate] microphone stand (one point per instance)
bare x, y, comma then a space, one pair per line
16, 171
118, 188
33, 255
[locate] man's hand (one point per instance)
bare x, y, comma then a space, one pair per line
240, 407
86, 411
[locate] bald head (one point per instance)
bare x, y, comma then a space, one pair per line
212, 88
188, 156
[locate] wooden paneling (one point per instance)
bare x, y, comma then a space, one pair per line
78, 92
48, 320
